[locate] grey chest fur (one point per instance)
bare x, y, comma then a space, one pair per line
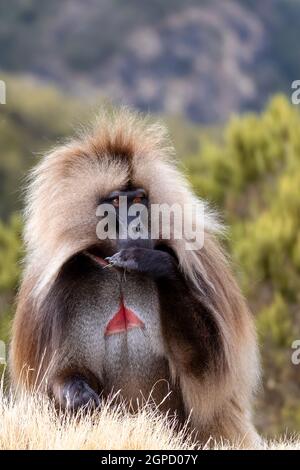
131, 361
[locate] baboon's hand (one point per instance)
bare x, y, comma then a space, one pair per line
126, 259
77, 393
144, 260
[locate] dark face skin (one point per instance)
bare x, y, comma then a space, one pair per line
136, 219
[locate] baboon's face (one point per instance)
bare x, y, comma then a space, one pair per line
124, 222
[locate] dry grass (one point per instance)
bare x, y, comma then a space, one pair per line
30, 422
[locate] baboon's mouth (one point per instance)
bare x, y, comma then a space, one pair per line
97, 259
123, 320
98, 255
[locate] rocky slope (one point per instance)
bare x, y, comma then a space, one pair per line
203, 59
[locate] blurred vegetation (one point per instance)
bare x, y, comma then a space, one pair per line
23, 21
250, 170
10, 270
253, 175
33, 119
79, 44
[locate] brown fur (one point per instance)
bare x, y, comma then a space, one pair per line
63, 194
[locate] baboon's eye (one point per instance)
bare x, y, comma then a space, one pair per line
115, 202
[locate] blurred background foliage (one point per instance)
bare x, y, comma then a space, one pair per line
253, 174
212, 70
200, 58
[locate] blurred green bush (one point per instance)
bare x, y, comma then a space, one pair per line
253, 175
250, 170
10, 258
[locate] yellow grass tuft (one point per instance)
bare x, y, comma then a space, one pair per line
31, 422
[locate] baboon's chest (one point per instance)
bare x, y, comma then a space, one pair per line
124, 344
134, 350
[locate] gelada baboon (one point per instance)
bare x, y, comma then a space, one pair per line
160, 317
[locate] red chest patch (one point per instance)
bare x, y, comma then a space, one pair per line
125, 319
